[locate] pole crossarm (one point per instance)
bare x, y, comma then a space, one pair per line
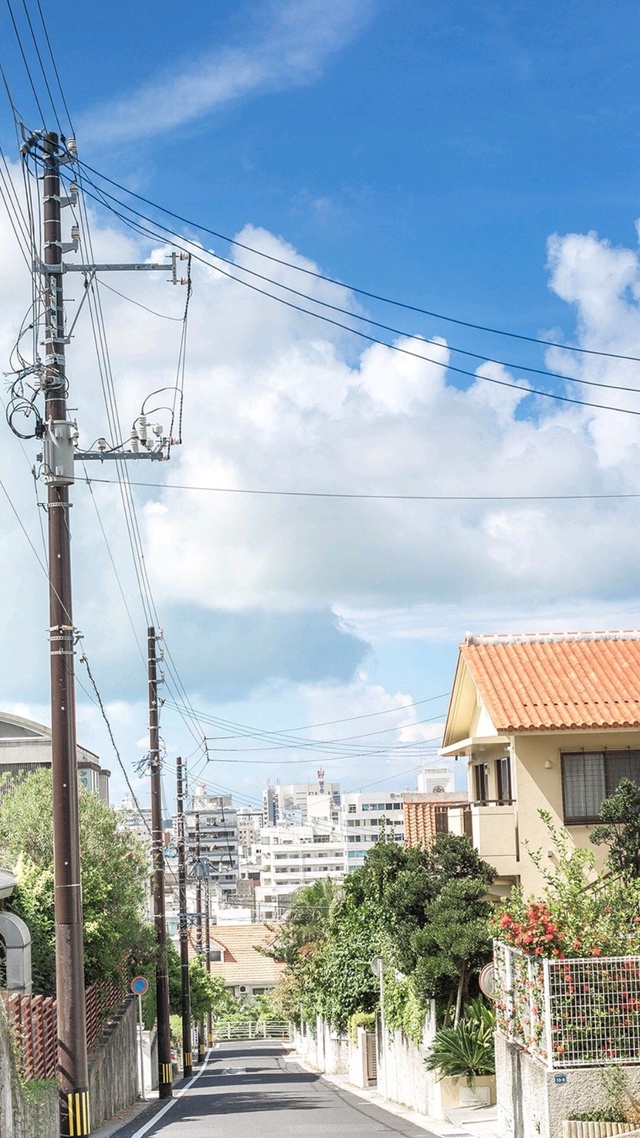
118, 456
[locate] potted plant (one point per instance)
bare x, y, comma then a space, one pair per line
464, 1057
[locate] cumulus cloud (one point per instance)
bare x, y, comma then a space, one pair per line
255, 589
288, 45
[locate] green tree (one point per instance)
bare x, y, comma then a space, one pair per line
620, 814
114, 869
387, 908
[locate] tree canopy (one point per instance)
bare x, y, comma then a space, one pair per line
422, 911
114, 870
620, 831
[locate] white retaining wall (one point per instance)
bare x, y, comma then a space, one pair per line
407, 1080
532, 1101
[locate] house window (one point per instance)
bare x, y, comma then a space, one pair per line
589, 777
441, 819
351, 808
503, 772
481, 782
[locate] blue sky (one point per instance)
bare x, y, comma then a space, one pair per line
475, 160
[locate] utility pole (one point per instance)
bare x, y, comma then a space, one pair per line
165, 1072
73, 1079
207, 949
199, 926
59, 437
187, 1065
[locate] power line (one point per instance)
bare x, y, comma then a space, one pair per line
354, 288
215, 257
84, 660
475, 375
377, 497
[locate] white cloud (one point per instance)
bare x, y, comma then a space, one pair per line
288, 46
291, 408
277, 401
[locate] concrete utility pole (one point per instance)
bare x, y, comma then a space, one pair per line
73, 1079
187, 1063
165, 1072
199, 926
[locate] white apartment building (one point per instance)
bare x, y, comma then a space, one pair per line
292, 856
218, 838
288, 803
364, 817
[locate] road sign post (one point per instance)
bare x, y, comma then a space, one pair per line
139, 986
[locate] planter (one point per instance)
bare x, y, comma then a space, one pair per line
455, 1091
574, 1129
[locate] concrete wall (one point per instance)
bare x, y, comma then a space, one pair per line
407, 1080
531, 1104
323, 1048
28, 1113
113, 1068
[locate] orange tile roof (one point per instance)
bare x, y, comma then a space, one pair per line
242, 963
557, 681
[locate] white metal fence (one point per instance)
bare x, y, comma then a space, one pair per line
577, 1012
260, 1029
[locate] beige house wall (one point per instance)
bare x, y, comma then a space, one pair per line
538, 785
502, 831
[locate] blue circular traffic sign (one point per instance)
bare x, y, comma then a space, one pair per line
139, 985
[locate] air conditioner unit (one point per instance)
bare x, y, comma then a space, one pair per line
242, 988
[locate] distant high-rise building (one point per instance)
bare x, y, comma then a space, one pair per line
364, 817
293, 856
288, 803
218, 838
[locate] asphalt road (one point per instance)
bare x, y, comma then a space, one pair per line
249, 1090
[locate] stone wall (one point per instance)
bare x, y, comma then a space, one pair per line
24, 1113
113, 1067
532, 1101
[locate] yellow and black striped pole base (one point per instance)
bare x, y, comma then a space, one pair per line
74, 1122
187, 1064
166, 1080
200, 1052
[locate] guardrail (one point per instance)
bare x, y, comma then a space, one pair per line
259, 1029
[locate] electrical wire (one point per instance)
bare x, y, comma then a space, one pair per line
40, 61
379, 497
475, 375
84, 660
354, 288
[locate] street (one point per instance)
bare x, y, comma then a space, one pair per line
251, 1084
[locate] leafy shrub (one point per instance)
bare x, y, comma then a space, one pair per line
468, 1048
367, 1020
604, 1115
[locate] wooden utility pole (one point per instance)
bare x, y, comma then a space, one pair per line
73, 1079
165, 1072
198, 868
187, 1063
